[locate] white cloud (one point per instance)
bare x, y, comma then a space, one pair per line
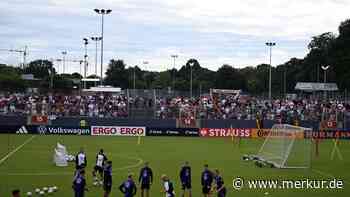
215, 32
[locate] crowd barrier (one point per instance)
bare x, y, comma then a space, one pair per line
151, 123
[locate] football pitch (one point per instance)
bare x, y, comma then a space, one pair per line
26, 163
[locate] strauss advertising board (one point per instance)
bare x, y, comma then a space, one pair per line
225, 132
118, 131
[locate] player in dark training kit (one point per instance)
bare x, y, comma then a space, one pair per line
220, 186
79, 184
100, 163
107, 178
145, 179
207, 181
185, 177
128, 187
80, 160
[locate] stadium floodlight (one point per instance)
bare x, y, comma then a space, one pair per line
96, 40
174, 56
286, 147
64, 53
325, 68
270, 45
102, 12
86, 42
191, 65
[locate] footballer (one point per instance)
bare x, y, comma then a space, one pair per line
185, 178
107, 178
219, 182
145, 179
206, 181
80, 160
100, 163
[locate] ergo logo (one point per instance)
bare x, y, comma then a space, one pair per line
131, 131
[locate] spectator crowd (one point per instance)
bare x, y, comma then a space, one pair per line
204, 107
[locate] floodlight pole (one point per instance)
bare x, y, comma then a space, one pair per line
191, 93
144, 67
134, 78
270, 45
325, 68
96, 40
174, 57
64, 53
102, 12
86, 42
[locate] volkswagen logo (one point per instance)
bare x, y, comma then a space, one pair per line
42, 130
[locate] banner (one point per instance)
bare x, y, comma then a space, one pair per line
57, 130
118, 131
39, 120
189, 132
6, 129
225, 132
263, 133
327, 134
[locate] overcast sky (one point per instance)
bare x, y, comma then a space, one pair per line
215, 32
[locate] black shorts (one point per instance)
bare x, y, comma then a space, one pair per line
79, 193
98, 169
222, 193
80, 167
145, 186
186, 185
107, 187
206, 189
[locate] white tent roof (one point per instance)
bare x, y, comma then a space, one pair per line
103, 89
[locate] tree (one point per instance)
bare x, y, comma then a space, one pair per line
10, 79
344, 28
228, 77
116, 75
40, 69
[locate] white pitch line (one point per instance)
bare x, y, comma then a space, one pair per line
139, 162
16, 149
327, 174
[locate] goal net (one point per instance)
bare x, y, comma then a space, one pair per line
286, 147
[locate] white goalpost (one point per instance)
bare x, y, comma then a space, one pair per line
286, 147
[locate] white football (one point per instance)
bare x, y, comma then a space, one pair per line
55, 188
29, 194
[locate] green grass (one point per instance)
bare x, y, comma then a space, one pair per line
165, 154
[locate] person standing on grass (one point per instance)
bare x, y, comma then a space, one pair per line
220, 186
145, 179
79, 184
206, 181
100, 162
107, 178
80, 160
185, 177
168, 187
128, 187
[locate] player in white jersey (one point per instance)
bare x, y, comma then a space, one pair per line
100, 162
80, 160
